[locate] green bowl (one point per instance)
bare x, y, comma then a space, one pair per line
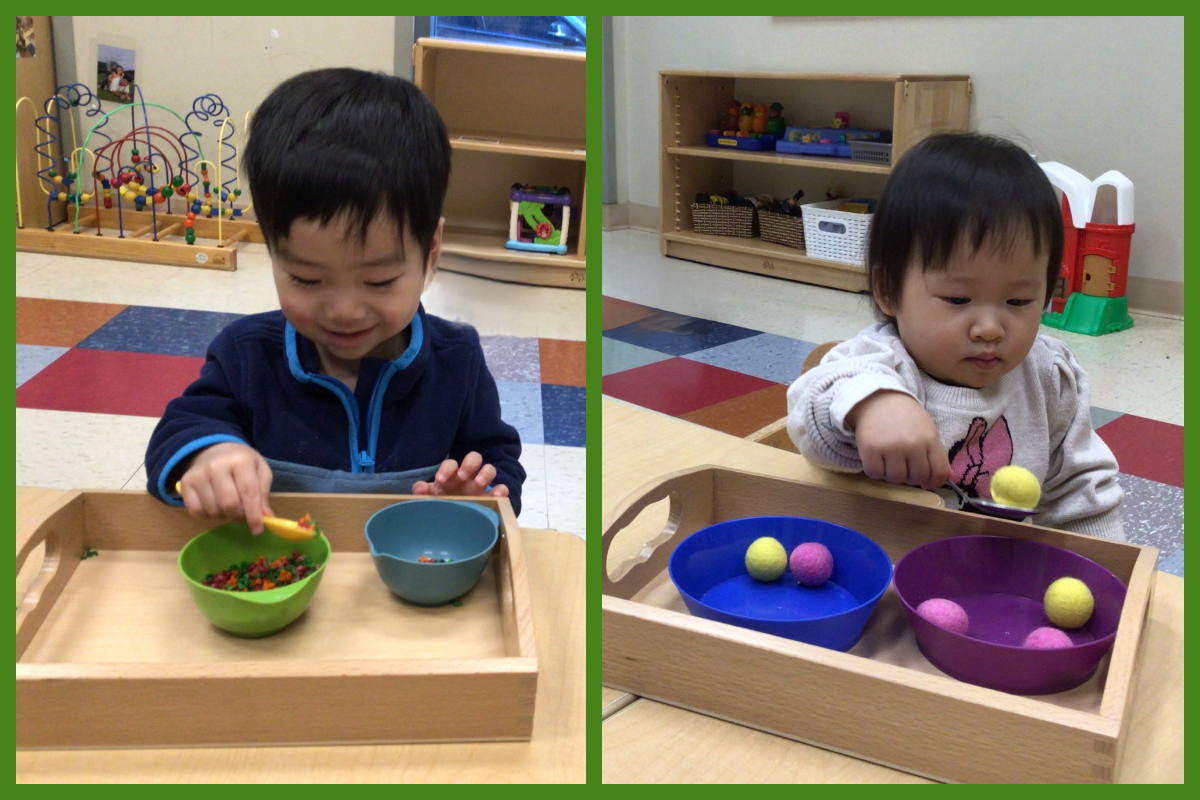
249, 614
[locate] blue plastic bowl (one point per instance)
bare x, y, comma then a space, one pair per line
709, 570
401, 533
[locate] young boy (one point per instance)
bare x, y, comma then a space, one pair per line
351, 387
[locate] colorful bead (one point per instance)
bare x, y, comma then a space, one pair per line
237, 192
177, 181
167, 191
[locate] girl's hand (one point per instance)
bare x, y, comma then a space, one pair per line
228, 480
471, 479
898, 442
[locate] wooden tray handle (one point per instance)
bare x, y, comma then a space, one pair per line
691, 495
60, 526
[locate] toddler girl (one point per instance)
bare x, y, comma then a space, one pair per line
955, 381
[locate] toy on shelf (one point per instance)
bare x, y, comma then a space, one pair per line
776, 124
833, 141
841, 120
541, 219
1090, 295
748, 126
151, 169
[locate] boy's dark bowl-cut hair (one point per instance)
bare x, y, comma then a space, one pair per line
347, 141
954, 189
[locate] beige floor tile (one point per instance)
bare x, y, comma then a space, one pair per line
566, 474
70, 450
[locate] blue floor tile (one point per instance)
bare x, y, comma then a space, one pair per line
1102, 416
166, 331
563, 410
512, 358
32, 359
521, 407
678, 334
766, 356
617, 356
1172, 563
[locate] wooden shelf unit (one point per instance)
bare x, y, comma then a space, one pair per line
514, 115
690, 103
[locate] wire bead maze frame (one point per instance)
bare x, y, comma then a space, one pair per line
152, 195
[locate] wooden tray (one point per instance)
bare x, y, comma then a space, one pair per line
881, 701
112, 652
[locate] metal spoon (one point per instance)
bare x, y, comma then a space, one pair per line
993, 509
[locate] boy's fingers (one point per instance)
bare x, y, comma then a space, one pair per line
470, 466
265, 478
485, 475
446, 471
500, 491
251, 498
421, 487
229, 499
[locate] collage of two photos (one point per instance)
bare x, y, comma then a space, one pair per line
834, 434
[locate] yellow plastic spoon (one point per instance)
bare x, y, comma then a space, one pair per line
288, 529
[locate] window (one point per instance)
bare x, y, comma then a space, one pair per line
557, 33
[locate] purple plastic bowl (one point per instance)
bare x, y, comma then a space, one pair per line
1000, 582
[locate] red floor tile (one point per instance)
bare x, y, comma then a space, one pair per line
1146, 448
60, 323
109, 382
679, 385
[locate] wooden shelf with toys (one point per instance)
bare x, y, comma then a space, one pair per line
503, 137
693, 105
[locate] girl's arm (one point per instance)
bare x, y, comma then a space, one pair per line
821, 399
1081, 492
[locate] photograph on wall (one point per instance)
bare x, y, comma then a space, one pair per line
114, 73
25, 48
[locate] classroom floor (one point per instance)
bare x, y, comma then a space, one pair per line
719, 348
102, 346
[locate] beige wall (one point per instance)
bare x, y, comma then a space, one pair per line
1094, 93
239, 58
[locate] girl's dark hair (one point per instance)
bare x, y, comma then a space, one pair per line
956, 189
335, 141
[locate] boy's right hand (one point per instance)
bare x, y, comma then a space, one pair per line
228, 480
898, 442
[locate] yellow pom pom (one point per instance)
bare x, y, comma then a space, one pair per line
1069, 603
1016, 487
766, 559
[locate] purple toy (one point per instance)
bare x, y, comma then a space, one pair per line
1047, 638
945, 614
1000, 582
811, 564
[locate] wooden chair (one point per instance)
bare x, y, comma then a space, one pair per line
775, 434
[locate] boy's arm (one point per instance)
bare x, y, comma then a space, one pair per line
820, 400
1081, 492
207, 413
481, 430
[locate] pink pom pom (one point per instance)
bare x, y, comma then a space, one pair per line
1047, 639
945, 614
811, 563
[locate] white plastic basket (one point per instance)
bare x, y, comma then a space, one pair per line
835, 235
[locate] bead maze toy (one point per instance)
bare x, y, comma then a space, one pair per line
152, 196
541, 219
1090, 295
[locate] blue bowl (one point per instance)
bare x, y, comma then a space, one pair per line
401, 533
709, 570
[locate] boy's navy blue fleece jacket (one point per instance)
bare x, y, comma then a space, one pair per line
261, 385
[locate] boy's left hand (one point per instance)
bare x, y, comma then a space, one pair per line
471, 478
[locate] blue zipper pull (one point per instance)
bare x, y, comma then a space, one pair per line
365, 462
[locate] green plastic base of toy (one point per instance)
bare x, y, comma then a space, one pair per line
1090, 315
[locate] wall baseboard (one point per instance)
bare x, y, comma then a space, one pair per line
617, 216
1154, 296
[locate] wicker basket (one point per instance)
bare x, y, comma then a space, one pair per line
728, 220
781, 228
